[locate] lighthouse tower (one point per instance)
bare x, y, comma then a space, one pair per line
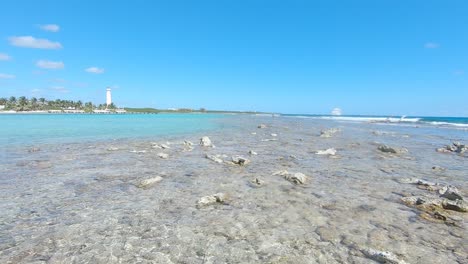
108, 97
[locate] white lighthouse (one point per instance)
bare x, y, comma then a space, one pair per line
108, 97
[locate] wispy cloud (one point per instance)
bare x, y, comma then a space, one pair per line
50, 27
6, 76
431, 45
94, 70
50, 64
60, 89
4, 57
34, 43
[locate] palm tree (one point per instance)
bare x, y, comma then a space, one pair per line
12, 100
42, 100
22, 101
79, 104
3, 101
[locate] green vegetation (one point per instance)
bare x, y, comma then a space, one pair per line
34, 104
185, 110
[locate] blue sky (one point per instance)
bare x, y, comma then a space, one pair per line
366, 57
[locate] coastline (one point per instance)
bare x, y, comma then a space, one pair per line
59, 197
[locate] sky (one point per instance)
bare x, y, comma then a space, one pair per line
367, 57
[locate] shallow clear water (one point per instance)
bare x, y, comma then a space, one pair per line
80, 202
20, 129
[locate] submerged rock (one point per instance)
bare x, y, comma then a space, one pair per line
212, 199
417, 181
148, 182
273, 135
138, 151
206, 142
215, 158
257, 183
239, 160
32, 150
438, 168
262, 126
112, 149
252, 153
163, 155
384, 257
330, 152
456, 147
296, 178
387, 149
329, 132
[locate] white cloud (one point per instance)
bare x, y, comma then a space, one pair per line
95, 70
50, 64
6, 76
4, 57
431, 45
32, 42
50, 27
60, 89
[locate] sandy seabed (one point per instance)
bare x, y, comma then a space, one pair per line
90, 203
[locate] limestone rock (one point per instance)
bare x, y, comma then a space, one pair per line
163, 155
215, 158
417, 181
262, 126
274, 135
34, 149
296, 178
212, 199
253, 153
329, 132
456, 147
450, 193
148, 182
330, 152
387, 149
138, 151
112, 149
206, 142
239, 160
257, 183
437, 168
384, 257
458, 205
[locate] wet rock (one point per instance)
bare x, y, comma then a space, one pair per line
458, 205
262, 126
450, 193
456, 147
330, 152
382, 256
257, 183
252, 153
206, 142
149, 182
215, 158
212, 199
296, 178
239, 160
163, 155
437, 168
387, 149
417, 181
188, 145
329, 132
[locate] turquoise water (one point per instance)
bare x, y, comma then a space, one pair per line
28, 129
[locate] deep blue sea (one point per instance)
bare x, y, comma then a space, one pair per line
28, 129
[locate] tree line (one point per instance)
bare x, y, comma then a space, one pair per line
22, 103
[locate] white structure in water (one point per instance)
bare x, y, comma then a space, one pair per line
108, 97
336, 112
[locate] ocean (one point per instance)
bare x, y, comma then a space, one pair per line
29, 129
461, 122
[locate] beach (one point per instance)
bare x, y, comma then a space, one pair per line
266, 190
